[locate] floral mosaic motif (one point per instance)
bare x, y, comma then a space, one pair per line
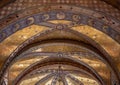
60, 15
60, 27
45, 17
76, 18
30, 20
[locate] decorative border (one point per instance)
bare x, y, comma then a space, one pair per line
77, 15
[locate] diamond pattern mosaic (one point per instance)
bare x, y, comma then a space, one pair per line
97, 5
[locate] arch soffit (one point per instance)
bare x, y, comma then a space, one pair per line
78, 15
29, 54
56, 60
31, 20
28, 41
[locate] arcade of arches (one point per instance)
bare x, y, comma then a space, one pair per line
59, 42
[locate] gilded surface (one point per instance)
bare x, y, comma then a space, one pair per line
107, 43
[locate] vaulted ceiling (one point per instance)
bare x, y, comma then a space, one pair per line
65, 42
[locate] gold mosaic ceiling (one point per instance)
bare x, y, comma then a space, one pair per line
61, 56
12, 42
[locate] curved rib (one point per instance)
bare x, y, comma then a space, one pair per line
75, 79
64, 80
54, 81
55, 60
44, 79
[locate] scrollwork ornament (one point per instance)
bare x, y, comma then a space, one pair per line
46, 17
76, 18
30, 20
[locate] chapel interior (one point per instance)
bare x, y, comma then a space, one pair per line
59, 42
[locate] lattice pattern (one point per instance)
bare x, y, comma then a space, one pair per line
92, 4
